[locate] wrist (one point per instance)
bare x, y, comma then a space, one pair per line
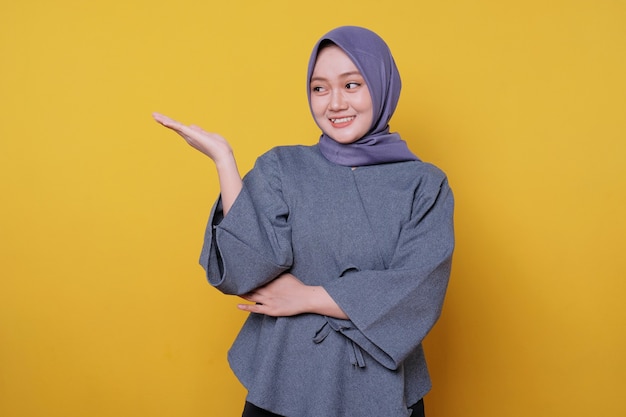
225, 161
313, 303
320, 302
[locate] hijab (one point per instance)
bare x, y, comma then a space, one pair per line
372, 57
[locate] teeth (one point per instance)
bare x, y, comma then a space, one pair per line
342, 120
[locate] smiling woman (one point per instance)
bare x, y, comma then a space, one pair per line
103, 310
340, 100
343, 285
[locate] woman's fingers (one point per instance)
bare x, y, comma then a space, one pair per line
210, 144
189, 133
164, 120
172, 124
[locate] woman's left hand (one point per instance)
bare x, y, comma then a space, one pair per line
288, 296
285, 296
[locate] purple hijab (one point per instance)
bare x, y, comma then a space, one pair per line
372, 57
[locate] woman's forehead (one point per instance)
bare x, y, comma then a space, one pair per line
333, 61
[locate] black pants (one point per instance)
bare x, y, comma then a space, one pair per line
251, 410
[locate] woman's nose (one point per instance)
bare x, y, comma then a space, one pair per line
338, 101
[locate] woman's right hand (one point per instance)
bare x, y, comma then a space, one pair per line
211, 144
215, 147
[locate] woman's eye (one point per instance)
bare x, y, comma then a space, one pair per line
317, 89
351, 86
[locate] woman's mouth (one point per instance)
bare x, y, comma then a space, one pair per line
342, 121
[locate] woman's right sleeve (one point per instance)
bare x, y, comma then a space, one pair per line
251, 245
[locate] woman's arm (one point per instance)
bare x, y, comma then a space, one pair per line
288, 296
215, 147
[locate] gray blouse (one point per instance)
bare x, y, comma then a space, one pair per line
378, 238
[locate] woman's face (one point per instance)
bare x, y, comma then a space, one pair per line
340, 100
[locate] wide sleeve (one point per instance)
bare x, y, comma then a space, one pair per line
251, 245
392, 310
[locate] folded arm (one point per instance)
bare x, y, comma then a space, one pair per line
288, 296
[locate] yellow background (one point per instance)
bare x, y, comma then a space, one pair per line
103, 308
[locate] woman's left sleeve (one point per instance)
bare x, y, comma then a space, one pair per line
392, 310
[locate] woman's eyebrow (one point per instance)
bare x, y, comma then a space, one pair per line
343, 75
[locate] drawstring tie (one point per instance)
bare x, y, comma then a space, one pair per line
354, 350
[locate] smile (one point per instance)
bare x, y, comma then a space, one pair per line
342, 120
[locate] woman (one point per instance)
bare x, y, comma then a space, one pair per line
343, 248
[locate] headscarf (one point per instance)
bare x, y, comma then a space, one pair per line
372, 57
